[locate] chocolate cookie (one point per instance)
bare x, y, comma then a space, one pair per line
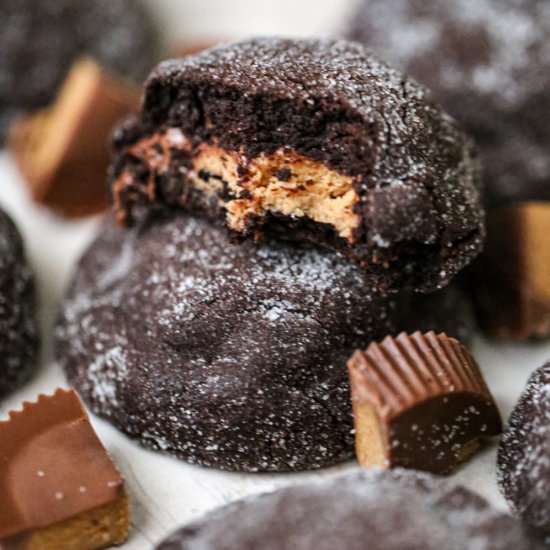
18, 331
227, 356
40, 40
524, 454
369, 509
312, 141
487, 62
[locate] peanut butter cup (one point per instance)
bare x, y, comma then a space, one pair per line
58, 486
511, 279
419, 402
62, 151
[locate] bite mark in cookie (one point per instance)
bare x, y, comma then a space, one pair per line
246, 189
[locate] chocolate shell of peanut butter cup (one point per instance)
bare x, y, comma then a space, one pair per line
58, 486
420, 402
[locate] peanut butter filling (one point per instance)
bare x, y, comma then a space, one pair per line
370, 443
282, 182
99, 528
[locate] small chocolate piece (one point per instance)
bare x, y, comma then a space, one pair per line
227, 356
377, 510
39, 40
63, 151
420, 402
19, 340
58, 486
487, 63
511, 279
524, 455
371, 167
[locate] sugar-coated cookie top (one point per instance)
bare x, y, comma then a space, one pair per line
416, 176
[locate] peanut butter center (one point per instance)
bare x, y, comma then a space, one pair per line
370, 443
282, 182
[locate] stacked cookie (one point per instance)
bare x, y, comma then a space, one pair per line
345, 190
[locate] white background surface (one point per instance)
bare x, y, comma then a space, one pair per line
165, 492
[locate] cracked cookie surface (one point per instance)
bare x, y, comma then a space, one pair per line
227, 356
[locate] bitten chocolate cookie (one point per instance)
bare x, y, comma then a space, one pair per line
18, 331
524, 455
375, 510
40, 40
313, 141
487, 62
227, 356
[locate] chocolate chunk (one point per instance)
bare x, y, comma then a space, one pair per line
284, 174
377, 510
511, 279
227, 356
19, 340
419, 402
58, 486
40, 40
524, 455
487, 63
358, 137
62, 151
